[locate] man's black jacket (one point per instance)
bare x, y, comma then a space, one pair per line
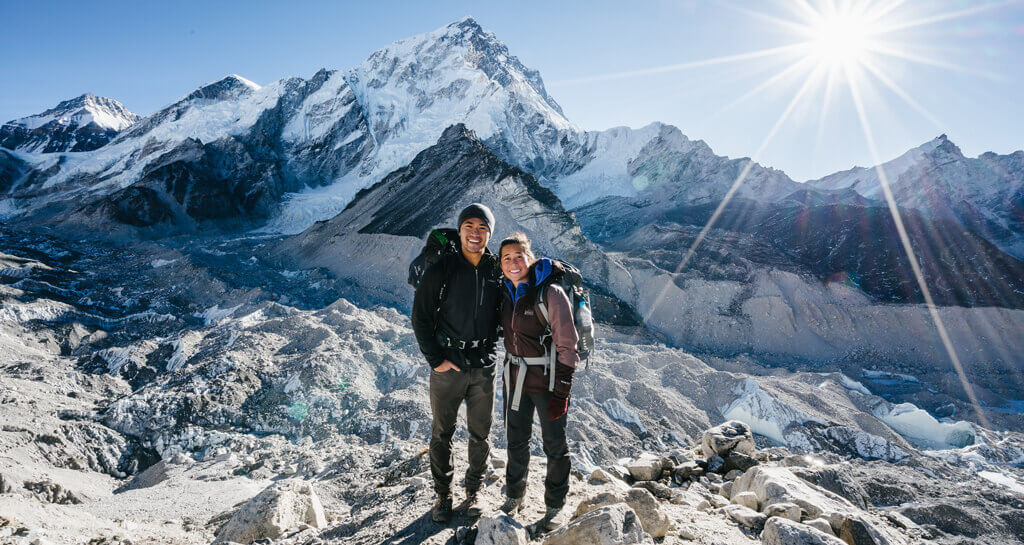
468, 311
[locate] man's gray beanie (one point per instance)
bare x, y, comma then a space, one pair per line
478, 211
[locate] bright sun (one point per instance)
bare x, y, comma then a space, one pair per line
841, 40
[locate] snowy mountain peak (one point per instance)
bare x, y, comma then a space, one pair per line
229, 87
453, 49
83, 123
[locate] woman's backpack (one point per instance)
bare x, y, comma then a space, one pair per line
570, 280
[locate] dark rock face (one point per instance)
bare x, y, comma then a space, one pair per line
54, 138
432, 190
457, 161
223, 180
78, 124
835, 242
12, 170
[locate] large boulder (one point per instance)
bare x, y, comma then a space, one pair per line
780, 531
646, 468
51, 492
6, 484
785, 510
745, 516
599, 477
610, 525
747, 499
280, 507
856, 531
726, 438
653, 520
500, 529
773, 485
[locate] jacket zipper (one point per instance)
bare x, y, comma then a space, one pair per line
515, 336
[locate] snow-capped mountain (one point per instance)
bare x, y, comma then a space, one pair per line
341, 131
80, 124
985, 193
661, 167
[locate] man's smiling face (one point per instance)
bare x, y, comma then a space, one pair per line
474, 235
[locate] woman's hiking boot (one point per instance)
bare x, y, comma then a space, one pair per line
512, 506
442, 511
469, 505
552, 520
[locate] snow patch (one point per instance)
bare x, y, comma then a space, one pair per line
917, 425
618, 411
215, 314
764, 414
1002, 480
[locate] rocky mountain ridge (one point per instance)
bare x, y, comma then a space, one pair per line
985, 194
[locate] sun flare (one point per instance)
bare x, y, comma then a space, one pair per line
841, 40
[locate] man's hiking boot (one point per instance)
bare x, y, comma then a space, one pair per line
512, 506
470, 506
442, 511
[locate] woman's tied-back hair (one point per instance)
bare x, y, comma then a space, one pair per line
520, 239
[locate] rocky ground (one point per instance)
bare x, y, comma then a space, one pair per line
183, 392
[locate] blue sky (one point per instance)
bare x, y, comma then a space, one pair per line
148, 54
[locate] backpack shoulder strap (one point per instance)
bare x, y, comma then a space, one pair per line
443, 293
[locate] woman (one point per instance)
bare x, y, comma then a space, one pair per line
530, 338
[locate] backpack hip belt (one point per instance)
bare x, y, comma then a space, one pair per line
459, 344
548, 361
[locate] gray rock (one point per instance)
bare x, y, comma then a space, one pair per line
685, 470
726, 490
599, 477
500, 529
281, 507
856, 531
779, 485
738, 461
715, 463
5, 484
642, 502
51, 492
733, 474
726, 438
951, 519
785, 510
747, 499
646, 468
820, 524
781, 531
652, 518
659, 490
745, 516
609, 525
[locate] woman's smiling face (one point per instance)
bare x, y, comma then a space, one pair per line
515, 262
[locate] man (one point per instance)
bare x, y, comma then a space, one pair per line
455, 318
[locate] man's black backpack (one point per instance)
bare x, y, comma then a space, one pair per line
571, 282
440, 242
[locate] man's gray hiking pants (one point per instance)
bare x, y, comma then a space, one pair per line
447, 392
